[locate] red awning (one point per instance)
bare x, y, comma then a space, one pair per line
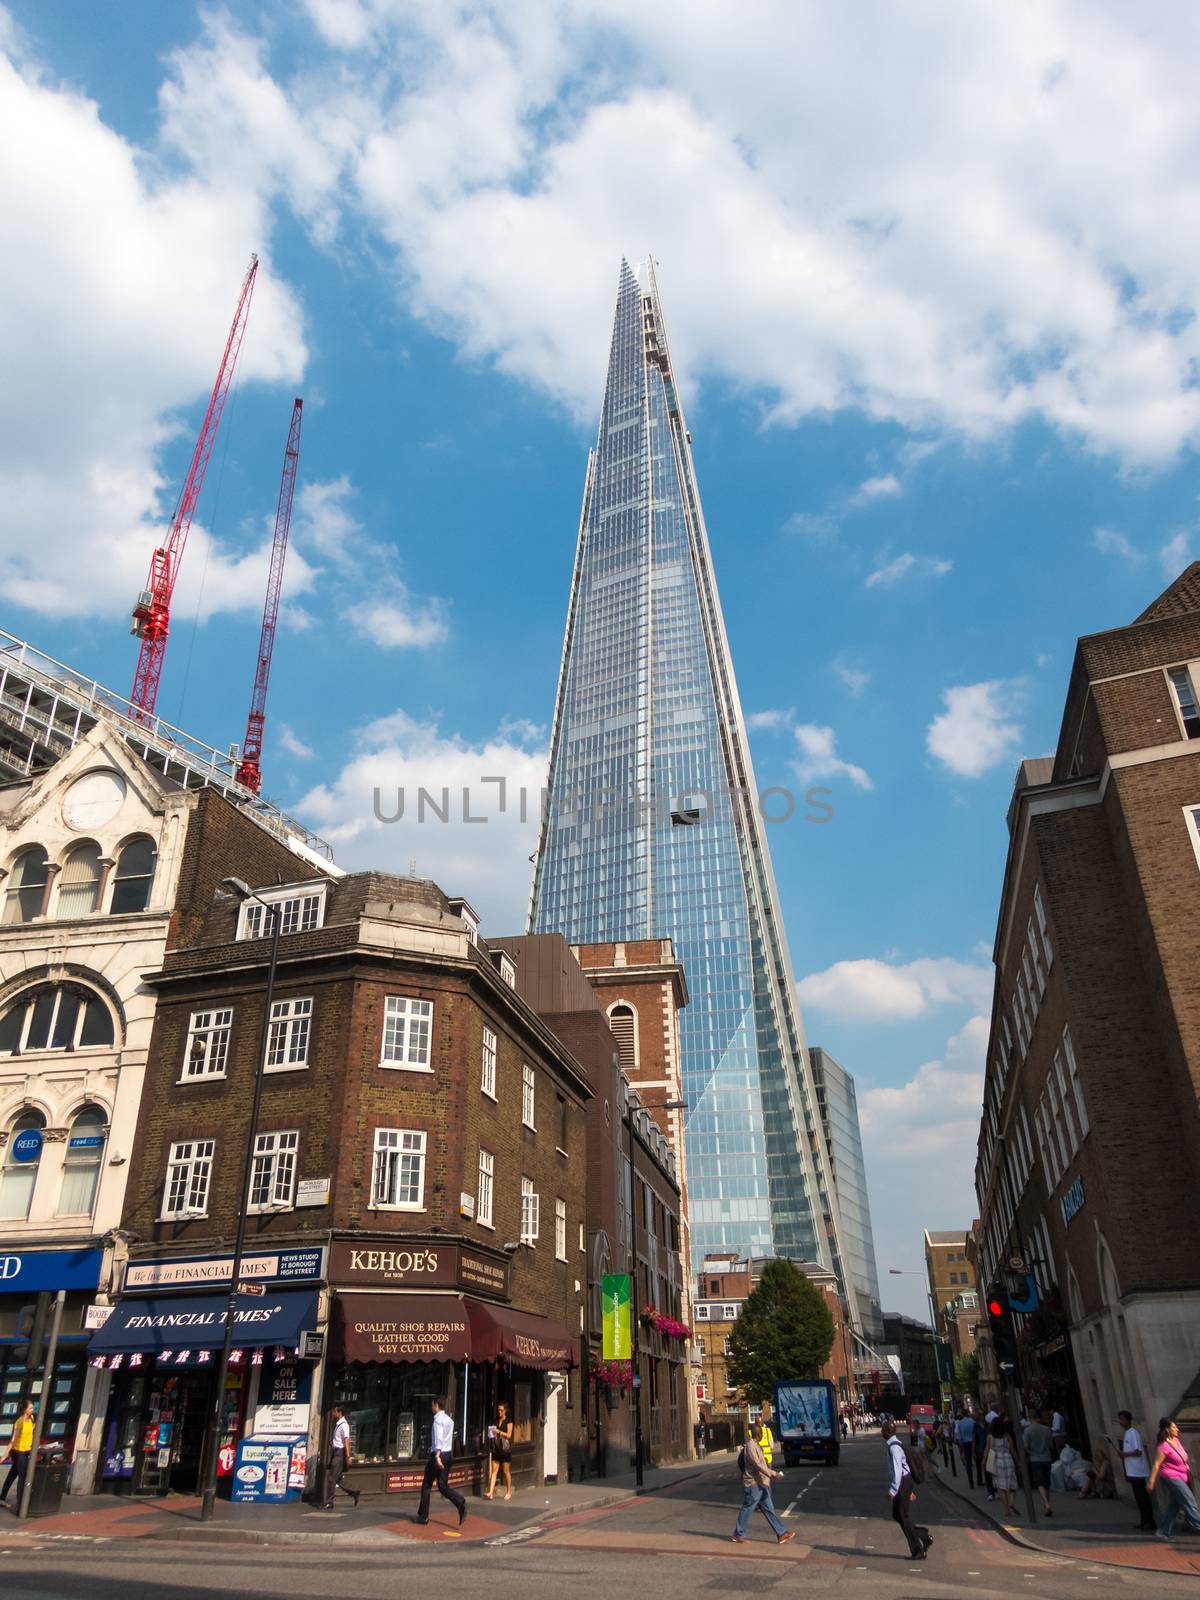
402, 1327
519, 1336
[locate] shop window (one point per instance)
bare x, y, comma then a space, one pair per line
389, 1408
27, 886
82, 1162
134, 877
52, 1016
18, 1176
522, 1413
79, 886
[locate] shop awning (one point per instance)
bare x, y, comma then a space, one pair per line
519, 1336
402, 1327
197, 1322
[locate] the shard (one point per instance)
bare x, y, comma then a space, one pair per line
652, 827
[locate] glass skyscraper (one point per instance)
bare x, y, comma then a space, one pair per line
837, 1101
652, 827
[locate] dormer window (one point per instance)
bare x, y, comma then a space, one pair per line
508, 970
300, 909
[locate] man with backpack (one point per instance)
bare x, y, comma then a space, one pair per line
756, 1493
905, 1469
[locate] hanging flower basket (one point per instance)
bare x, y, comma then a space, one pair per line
667, 1326
614, 1374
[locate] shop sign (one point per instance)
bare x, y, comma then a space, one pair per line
1071, 1203
284, 1395
282, 1266
96, 1316
312, 1192
27, 1146
35, 1270
379, 1327
262, 1471
416, 1264
616, 1313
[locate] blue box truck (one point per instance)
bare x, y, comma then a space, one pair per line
806, 1421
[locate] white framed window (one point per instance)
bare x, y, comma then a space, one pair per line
527, 1091
1035, 955
273, 1178
1039, 911
407, 1027
508, 970
1192, 817
1076, 1083
1184, 691
582, 1246
82, 1163
560, 1230
1026, 1012
730, 1312
207, 1044
1030, 982
487, 1182
1068, 1115
701, 1313
398, 1176
50, 1016
487, 1081
287, 1041
300, 908
189, 1173
529, 1212
1016, 1016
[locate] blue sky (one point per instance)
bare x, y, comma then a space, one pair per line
930, 280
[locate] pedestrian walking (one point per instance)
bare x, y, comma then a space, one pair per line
1038, 1448
964, 1432
766, 1439
437, 1466
1137, 1470
902, 1493
1171, 1464
983, 1430
756, 1494
501, 1452
20, 1446
339, 1459
1000, 1466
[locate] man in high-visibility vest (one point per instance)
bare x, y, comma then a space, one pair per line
766, 1440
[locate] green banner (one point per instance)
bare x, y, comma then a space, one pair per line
615, 1299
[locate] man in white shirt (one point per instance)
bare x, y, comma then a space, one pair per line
437, 1467
901, 1493
339, 1459
1137, 1470
1058, 1432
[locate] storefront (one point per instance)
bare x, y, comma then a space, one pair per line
405, 1330
163, 1349
29, 1281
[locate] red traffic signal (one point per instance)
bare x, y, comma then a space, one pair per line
995, 1309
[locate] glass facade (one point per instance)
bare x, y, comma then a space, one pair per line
838, 1103
652, 826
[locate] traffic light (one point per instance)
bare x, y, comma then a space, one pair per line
1000, 1321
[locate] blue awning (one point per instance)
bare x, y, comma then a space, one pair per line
197, 1322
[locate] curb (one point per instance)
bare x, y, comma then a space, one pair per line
1019, 1537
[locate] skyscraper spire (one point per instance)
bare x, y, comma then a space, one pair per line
653, 828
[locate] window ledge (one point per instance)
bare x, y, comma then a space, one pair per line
530, 1125
404, 1066
290, 1066
203, 1077
559, 1151
490, 1094
402, 1206
490, 1226
183, 1216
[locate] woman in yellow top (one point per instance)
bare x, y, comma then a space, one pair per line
19, 1447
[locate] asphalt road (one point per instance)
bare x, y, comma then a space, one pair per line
668, 1546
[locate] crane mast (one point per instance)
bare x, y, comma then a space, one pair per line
152, 611
249, 772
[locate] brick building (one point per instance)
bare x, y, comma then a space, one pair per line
1088, 1167
952, 1289
619, 1016
418, 1195
103, 851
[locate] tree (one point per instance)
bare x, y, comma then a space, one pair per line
966, 1373
785, 1331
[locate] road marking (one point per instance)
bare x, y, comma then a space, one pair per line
972, 1574
516, 1537
802, 1493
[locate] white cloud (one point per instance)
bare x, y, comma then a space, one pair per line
1176, 554
395, 623
395, 758
818, 757
881, 488
295, 746
853, 678
1111, 542
763, 720
919, 1142
890, 572
870, 990
977, 729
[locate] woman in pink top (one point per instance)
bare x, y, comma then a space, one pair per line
1172, 1466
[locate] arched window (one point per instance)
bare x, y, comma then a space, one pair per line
55, 1016
79, 887
22, 1157
134, 877
81, 1164
624, 1030
26, 886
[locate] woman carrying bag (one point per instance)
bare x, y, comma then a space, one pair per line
999, 1461
501, 1443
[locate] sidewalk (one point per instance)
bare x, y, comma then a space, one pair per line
1102, 1531
378, 1520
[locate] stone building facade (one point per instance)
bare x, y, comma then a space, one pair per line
1088, 1169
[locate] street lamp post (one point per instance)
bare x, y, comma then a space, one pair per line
908, 1272
634, 1313
243, 892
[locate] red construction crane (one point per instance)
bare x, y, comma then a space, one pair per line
250, 770
152, 613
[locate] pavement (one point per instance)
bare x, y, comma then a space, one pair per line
378, 1519
1101, 1531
